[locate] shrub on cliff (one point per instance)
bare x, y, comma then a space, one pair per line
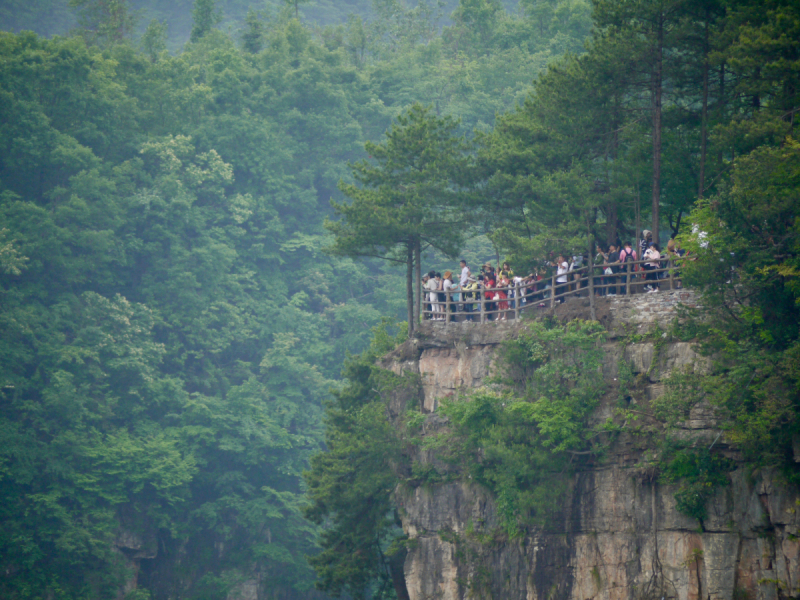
521, 440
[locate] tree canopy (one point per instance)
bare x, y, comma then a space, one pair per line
174, 324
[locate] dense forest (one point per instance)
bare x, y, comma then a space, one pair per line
183, 272
170, 324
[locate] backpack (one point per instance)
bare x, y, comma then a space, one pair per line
628, 258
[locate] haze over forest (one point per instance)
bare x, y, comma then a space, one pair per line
177, 302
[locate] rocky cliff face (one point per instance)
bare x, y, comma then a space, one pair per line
619, 535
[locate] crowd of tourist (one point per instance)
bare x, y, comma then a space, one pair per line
501, 289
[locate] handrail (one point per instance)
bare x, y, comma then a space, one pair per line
519, 294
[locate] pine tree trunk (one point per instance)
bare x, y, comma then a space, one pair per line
418, 264
611, 223
590, 274
410, 286
658, 75
701, 184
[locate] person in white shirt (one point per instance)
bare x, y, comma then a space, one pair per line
432, 286
654, 256
562, 268
464, 279
517, 294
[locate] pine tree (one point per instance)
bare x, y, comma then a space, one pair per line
409, 199
253, 35
205, 17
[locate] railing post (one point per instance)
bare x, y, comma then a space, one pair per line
516, 301
671, 272
628, 279
591, 281
448, 300
482, 292
553, 292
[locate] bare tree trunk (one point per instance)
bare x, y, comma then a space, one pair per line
590, 273
611, 223
418, 264
658, 74
721, 104
701, 184
636, 245
409, 286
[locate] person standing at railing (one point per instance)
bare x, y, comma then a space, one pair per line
654, 256
562, 272
488, 285
463, 280
674, 254
534, 284
465, 274
488, 271
501, 295
440, 296
469, 294
433, 296
626, 255
600, 263
612, 269
507, 273
644, 243
451, 298
517, 285
575, 266
426, 308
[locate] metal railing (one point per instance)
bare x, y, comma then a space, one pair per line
630, 278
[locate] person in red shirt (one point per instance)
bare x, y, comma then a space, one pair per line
489, 283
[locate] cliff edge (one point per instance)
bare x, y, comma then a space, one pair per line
618, 534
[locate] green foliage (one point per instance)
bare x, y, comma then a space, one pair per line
351, 483
154, 39
746, 242
409, 199
700, 474
522, 443
204, 16
104, 22
171, 324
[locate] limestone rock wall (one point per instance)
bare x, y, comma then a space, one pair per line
619, 536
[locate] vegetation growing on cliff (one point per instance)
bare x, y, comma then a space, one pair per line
521, 441
171, 324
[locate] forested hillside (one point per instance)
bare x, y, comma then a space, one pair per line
58, 17
678, 118
178, 294
170, 324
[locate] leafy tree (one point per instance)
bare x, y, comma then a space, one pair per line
154, 40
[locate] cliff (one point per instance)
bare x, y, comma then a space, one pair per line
618, 535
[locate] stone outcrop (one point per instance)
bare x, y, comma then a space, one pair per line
619, 535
